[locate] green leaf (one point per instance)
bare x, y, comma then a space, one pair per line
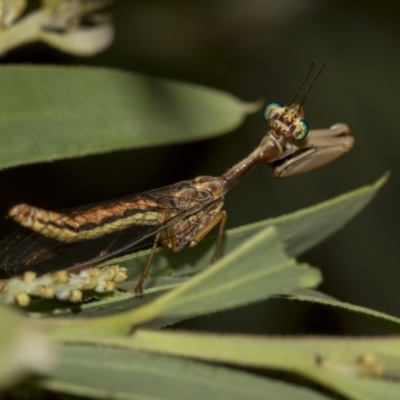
358, 368
48, 113
256, 270
99, 373
313, 296
23, 349
304, 229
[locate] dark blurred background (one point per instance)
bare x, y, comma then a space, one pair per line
258, 49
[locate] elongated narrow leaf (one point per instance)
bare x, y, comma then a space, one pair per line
23, 349
362, 369
304, 229
99, 373
48, 113
317, 297
256, 270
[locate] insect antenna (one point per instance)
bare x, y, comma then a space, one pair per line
311, 84
303, 83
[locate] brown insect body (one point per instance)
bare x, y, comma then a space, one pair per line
180, 214
175, 216
204, 193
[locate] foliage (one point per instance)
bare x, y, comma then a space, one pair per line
110, 346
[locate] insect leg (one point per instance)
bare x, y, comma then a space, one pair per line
139, 285
219, 218
221, 230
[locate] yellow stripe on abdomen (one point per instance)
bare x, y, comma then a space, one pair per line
69, 229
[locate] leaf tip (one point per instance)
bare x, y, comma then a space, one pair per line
253, 107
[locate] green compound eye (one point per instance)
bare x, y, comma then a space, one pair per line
304, 131
270, 109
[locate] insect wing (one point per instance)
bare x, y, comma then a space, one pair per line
34, 252
30, 251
